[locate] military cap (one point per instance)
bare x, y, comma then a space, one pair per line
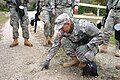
61, 20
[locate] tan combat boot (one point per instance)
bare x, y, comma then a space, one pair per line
72, 62
103, 49
82, 64
117, 54
14, 43
117, 66
50, 40
27, 43
46, 41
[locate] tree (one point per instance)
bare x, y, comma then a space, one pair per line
102, 2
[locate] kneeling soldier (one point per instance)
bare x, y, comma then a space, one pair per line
80, 40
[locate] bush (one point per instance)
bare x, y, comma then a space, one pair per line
83, 9
3, 7
32, 6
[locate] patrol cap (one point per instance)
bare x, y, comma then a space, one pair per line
61, 20
117, 27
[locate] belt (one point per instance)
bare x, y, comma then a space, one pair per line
65, 5
45, 5
116, 8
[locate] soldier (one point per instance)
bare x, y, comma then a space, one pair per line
79, 39
117, 37
18, 14
64, 6
112, 19
47, 18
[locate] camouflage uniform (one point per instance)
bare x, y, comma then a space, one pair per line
84, 33
15, 18
64, 6
113, 18
47, 17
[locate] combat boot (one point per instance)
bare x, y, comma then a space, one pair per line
117, 66
14, 43
103, 49
50, 40
72, 62
27, 43
117, 54
46, 41
82, 64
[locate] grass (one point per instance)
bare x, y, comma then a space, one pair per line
2, 18
112, 39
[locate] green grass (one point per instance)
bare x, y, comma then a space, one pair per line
112, 39
2, 18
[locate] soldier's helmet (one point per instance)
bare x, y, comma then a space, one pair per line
61, 20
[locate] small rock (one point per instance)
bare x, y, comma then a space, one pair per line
56, 71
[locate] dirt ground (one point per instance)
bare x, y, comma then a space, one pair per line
25, 63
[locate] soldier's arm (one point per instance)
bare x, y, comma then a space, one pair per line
97, 35
52, 3
55, 47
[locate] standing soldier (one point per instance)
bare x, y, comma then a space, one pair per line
80, 40
64, 6
112, 19
18, 14
47, 18
117, 37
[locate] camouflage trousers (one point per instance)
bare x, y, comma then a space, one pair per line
61, 10
70, 49
15, 21
113, 18
48, 20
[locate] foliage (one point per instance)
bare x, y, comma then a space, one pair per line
32, 6
83, 9
3, 7
102, 2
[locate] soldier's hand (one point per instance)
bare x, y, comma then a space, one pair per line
75, 9
53, 12
46, 65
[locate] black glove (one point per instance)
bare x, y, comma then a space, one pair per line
46, 65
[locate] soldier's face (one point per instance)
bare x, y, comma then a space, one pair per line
66, 27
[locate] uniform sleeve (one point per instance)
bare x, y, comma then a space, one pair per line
97, 35
110, 4
52, 3
76, 2
55, 47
